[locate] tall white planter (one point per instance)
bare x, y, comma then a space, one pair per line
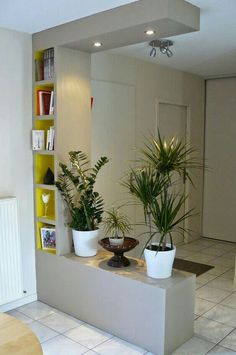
85, 242
159, 264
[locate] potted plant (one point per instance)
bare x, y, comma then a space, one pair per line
152, 185
76, 185
116, 224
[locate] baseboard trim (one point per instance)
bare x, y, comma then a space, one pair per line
18, 303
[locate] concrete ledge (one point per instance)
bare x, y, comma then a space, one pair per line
157, 315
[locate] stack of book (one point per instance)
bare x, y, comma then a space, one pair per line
45, 102
48, 63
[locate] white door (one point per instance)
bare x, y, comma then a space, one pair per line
172, 121
113, 135
219, 212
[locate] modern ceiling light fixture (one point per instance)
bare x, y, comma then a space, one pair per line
149, 32
153, 52
97, 44
164, 46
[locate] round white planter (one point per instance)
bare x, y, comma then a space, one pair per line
116, 241
159, 264
85, 242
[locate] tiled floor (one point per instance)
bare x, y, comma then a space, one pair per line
215, 320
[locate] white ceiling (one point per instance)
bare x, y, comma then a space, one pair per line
209, 52
36, 15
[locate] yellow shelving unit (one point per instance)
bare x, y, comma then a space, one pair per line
43, 159
71, 120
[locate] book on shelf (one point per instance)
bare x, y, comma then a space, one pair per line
48, 60
51, 106
45, 102
50, 138
38, 139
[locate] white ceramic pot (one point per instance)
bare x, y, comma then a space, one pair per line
159, 264
85, 242
116, 241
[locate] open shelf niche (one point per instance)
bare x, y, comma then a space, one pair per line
70, 83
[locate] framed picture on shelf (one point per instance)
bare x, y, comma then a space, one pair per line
48, 238
38, 139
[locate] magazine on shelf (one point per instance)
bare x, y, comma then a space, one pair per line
38, 139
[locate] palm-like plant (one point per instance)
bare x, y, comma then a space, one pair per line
165, 216
116, 223
145, 184
151, 185
170, 156
76, 185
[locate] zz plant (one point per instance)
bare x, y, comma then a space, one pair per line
76, 185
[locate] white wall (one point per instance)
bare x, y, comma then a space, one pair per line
15, 129
219, 181
152, 83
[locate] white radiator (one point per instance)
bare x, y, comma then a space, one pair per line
10, 252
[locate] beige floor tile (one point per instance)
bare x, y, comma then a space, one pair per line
182, 253
61, 345
230, 301
211, 294
213, 251
219, 270
223, 284
118, 346
211, 330
205, 278
20, 316
231, 255
192, 247
194, 346
36, 310
221, 350
200, 258
224, 261
205, 242
202, 306
230, 341
227, 247
59, 322
42, 332
88, 336
229, 274
222, 314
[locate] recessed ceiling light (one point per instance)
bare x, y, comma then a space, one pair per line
149, 32
97, 44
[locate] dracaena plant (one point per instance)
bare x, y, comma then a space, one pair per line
76, 185
116, 223
151, 183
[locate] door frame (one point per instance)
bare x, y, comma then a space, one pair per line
187, 135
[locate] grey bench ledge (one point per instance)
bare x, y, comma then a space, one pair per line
156, 315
